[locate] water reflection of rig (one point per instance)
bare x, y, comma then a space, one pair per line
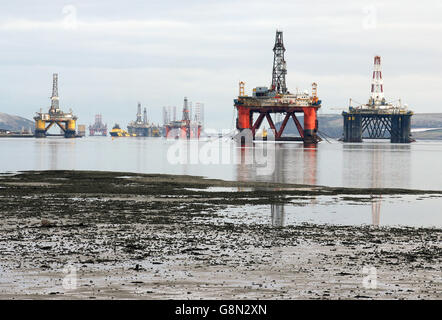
304, 173
377, 119
141, 126
44, 121
186, 128
278, 100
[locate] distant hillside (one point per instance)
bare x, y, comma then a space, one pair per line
14, 123
426, 120
331, 125
428, 135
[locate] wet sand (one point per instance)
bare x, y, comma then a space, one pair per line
163, 237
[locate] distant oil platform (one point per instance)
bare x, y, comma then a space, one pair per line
141, 126
186, 128
377, 119
44, 121
98, 128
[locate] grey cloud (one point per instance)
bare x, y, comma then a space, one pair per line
157, 52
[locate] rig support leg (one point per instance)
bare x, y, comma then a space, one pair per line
352, 127
70, 129
40, 129
310, 126
244, 123
400, 129
244, 120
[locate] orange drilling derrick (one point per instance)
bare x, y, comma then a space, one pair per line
277, 99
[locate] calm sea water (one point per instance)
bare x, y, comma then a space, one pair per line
377, 164
370, 164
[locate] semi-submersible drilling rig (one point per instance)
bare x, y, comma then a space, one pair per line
44, 121
377, 119
278, 100
98, 128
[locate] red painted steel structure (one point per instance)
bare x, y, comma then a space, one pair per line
182, 130
307, 133
185, 128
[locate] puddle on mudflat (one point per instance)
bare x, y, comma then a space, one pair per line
246, 189
221, 189
8, 174
353, 211
128, 177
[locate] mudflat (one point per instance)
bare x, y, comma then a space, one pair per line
110, 235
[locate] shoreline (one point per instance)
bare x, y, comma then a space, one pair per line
151, 236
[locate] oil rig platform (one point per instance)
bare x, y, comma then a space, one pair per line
377, 119
185, 128
98, 128
141, 127
44, 121
278, 100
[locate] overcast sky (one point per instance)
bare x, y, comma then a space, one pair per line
112, 54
